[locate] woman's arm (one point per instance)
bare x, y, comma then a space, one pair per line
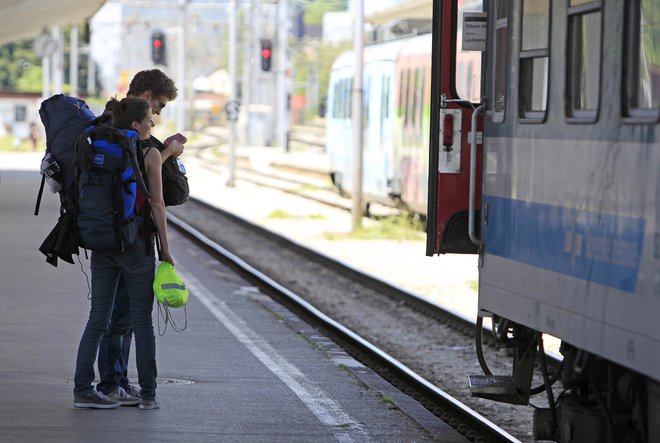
153, 165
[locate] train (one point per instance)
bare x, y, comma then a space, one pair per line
396, 121
551, 174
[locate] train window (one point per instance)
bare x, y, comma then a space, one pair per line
533, 94
583, 59
415, 98
340, 99
401, 98
348, 102
406, 105
468, 63
343, 98
337, 112
422, 101
385, 97
366, 99
642, 59
500, 62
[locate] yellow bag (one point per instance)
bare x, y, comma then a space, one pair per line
168, 287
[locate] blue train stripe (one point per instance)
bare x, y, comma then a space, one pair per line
597, 247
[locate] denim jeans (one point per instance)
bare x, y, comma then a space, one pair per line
137, 270
116, 344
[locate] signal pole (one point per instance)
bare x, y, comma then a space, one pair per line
357, 115
232, 79
181, 69
283, 32
73, 60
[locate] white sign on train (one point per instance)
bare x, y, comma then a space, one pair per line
474, 31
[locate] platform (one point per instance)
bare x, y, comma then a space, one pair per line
244, 370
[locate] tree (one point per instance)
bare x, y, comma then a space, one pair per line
21, 70
315, 9
16, 59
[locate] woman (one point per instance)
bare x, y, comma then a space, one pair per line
136, 265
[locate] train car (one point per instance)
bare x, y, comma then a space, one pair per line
396, 79
555, 168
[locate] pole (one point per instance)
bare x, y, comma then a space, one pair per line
232, 78
248, 74
181, 69
283, 32
73, 60
45, 68
357, 211
91, 74
57, 60
258, 127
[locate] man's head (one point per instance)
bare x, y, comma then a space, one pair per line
153, 86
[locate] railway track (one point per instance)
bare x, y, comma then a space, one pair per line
300, 181
285, 272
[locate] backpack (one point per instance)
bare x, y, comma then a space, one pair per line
107, 180
64, 119
175, 182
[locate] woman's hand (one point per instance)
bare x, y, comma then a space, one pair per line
165, 256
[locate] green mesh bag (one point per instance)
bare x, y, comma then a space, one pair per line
169, 289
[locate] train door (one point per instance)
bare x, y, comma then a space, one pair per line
454, 180
338, 121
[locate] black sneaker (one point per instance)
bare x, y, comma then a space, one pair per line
132, 390
123, 397
149, 404
94, 400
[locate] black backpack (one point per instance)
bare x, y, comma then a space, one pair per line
107, 180
175, 182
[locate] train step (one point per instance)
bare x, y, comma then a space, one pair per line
500, 388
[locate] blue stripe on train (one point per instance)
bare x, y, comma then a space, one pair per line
597, 247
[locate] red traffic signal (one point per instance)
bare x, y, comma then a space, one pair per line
158, 47
266, 55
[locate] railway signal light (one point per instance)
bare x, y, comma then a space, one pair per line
266, 55
158, 47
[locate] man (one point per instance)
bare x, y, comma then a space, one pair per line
158, 90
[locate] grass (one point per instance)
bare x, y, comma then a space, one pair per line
386, 399
281, 214
7, 144
398, 227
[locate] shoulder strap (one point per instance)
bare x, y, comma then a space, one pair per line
40, 194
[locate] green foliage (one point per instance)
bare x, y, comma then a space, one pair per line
282, 215
315, 58
16, 59
327, 55
7, 143
315, 9
31, 80
21, 70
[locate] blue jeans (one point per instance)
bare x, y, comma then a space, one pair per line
137, 270
116, 344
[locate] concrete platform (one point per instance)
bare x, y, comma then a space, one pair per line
244, 370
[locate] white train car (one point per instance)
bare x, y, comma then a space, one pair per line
396, 107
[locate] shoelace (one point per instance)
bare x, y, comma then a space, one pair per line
121, 394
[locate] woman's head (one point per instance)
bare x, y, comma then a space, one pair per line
132, 113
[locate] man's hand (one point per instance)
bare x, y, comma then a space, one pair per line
173, 149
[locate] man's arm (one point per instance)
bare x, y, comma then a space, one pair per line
173, 149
